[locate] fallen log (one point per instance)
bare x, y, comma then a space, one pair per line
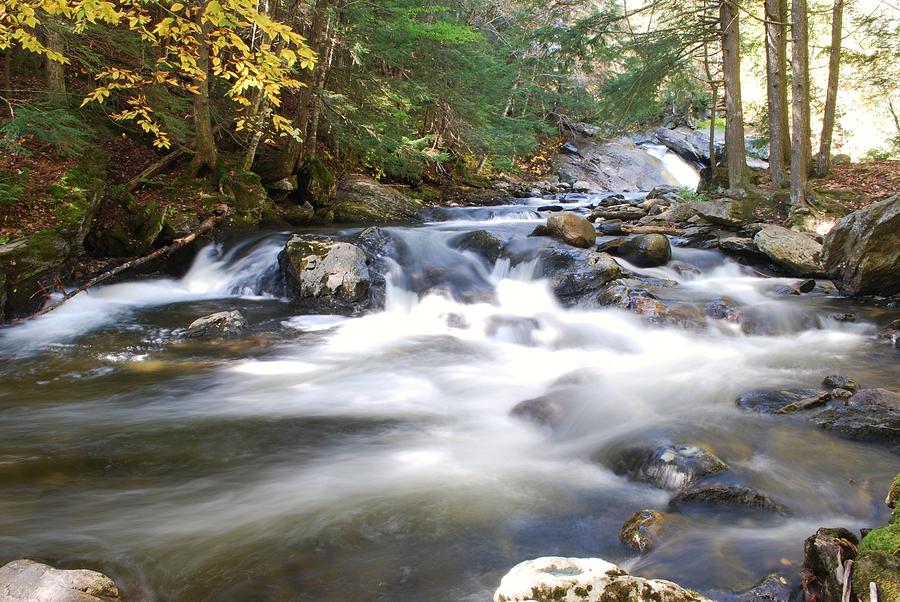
219, 214
157, 168
670, 230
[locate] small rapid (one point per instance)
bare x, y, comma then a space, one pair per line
374, 456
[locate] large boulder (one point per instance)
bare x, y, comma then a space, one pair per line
870, 415
481, 242
556, 579
645, 250
360, 199
668, 466
796, 253
721, 212
572, 229
825, 556
576, 275
326, 270
862, 251
613, 166
30, 581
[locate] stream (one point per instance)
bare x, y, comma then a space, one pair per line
327, 457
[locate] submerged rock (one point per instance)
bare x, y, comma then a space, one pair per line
862, 251
871, 415
671, 467
572, 229
547, 410
825, 554
317, 268
30, 581
222, 324
772, 401
836, 381
643, 530
734, 496
645, 250
774, 588
481, 242
554, 579
796, 253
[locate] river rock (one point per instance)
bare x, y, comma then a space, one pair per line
547, 410
572, 229
772, 401
880, 568
577, 276
30, 581
360, 199
672, 467
642, 531
726, 496
721, 212
796, 253
740, 246
646, 250
624, 294
836, 381
222, 324
824, 556
556, 579
862, 251
317, 268
612, 165
774, 588
480, 242
871, 415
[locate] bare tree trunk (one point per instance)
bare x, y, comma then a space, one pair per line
205, 153
294, 151
56, 76
312, 129
735, 156
713, 164
259, 113
7, 71
834, 67
800, 143
776, 86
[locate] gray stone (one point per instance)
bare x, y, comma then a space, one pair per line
613, 165
726, 496
223, 324
672, 467
318, 268
797, 253
721, 212
572, 229
646, 250
30, 581
576, 274
824, 556
862, 251
871, 415
643, 530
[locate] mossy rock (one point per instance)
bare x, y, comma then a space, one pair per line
880, 568
245, 194
893, 495
362, 200
315, 183
30, 265
883, 539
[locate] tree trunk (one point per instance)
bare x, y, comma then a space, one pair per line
56, 76
205, 154
7, 72
776, 86
713, 164
834, 67
800, 142
312, 129
294, 151
734, 117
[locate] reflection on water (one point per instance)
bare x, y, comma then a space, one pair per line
374, 457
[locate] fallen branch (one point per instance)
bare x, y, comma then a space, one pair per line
848, 573
219, 213
157, 168
671, 230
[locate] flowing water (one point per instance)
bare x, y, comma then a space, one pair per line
373, 457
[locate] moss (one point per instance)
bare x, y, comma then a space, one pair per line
315, 183
879, 568
893, 496
425, 193
883, 539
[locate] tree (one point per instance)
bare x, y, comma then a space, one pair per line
735, 153
834, 64
800, 141
776, 88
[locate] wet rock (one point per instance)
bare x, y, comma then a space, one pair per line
739, 245
551, 208
796, 253
677, 213
621, 214
480, 242
721, 212
807, 286
771, 401
318, 268
847, 317
700, 237
843, 394
774, 588
646, 250
672, 467
643, 530
222, 324
720, 309
547, 410
893, 495
621, 293
871, 415
824, 556
553, 579
891, 334
613, 165
613, 228
572, 229
30, 581
519, 329
836, 381
299, 215
785, 289
684, 268
360, 199
575, 275
726, 496
862, 251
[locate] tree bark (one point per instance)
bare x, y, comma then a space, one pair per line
776, 87
735, 156
205, 154
800, 142
713, 164
56, 75
7, 72
834, 67
312, 129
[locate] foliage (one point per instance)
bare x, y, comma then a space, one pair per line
689, 194
10, 190
61, 128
